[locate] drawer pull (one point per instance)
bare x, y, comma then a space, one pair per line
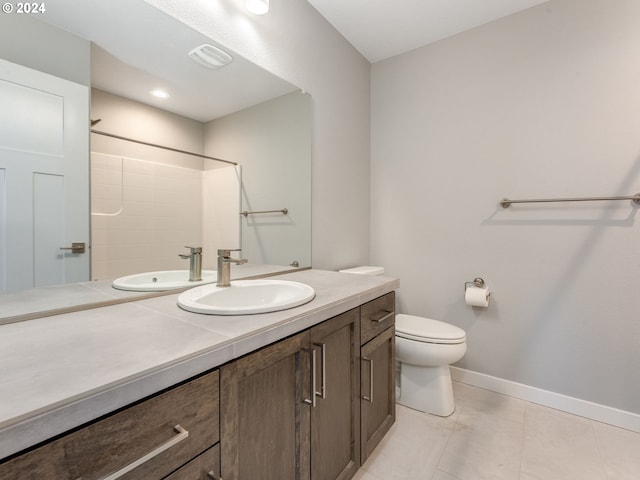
213, 476
370, 397
381, 317
182, 435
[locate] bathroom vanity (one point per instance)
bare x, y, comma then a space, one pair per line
301, 393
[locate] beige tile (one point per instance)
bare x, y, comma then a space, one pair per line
364, 475
416, 424
487, 441
412, 448
526, 476
440, 475
620, 450
487, 401
492, 436
559, 446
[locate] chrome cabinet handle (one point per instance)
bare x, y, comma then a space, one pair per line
323, 364
182, 435
382, 317
370, 397
213, 476
312, 401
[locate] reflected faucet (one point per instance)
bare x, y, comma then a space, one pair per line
224, 266
195, 263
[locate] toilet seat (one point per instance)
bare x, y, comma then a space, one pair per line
427, 330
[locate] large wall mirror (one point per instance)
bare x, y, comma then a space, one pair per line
223, 162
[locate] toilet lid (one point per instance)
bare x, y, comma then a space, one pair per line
424, 329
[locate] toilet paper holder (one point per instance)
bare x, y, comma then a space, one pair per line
478, 282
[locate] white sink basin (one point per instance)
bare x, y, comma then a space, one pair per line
246, 297
163, 280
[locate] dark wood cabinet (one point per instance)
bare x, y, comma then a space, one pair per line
309, 407
264, 426
378, 390
205, 466
148, 440
335, 425
291, 410
378, 405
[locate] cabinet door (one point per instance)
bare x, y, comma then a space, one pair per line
378, 389
264, 422
335, 417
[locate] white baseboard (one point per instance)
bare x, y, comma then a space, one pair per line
575, 406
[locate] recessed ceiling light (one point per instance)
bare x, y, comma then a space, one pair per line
159, 93
259, 7
210, 56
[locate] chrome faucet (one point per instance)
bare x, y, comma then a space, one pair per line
224, 266
195, 263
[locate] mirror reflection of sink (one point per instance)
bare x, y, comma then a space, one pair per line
161, 280
246, 297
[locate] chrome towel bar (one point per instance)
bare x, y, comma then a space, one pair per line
505, 202
284, 211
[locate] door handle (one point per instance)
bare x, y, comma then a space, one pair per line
76, 247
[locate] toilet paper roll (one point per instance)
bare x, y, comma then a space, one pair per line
477, 297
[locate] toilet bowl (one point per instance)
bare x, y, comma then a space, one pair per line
425, 348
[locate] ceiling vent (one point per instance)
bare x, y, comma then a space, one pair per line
210, 56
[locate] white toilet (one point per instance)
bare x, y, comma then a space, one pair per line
424, 348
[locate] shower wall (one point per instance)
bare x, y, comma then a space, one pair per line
143, 214
147, 203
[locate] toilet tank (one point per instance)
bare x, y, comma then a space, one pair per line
365, 270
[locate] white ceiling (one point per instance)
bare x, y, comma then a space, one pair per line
381, 29
378, 29
137, 48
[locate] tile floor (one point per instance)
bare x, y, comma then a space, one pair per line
492, 436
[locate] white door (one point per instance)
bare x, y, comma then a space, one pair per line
44, 178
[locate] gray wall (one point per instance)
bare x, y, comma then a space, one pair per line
32, 43
271, 141
543, 103
296, 43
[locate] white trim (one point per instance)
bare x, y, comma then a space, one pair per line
593, 411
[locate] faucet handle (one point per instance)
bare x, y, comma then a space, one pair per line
226, 252
194, 249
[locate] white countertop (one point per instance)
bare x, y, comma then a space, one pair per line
59, 372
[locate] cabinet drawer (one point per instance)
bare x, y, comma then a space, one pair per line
376, 316
158, 425
206, 466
